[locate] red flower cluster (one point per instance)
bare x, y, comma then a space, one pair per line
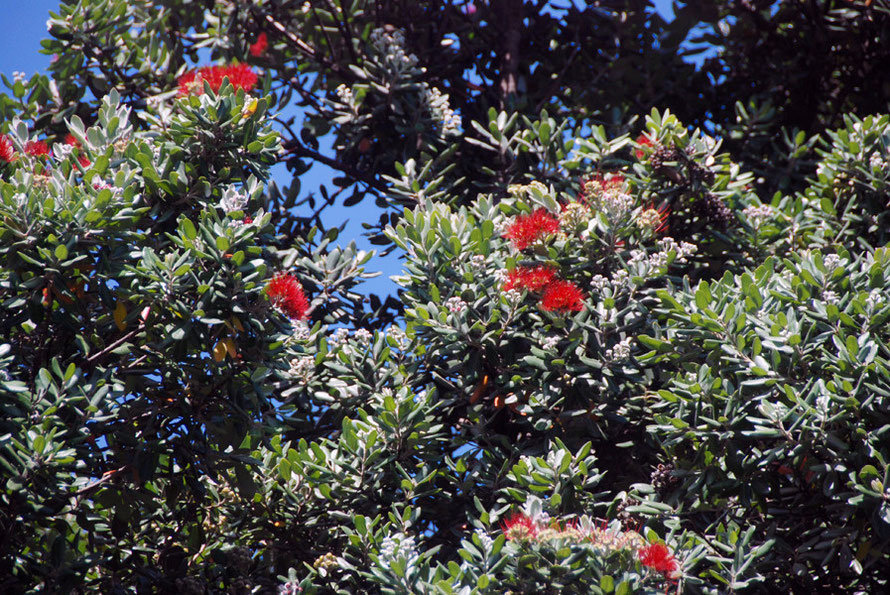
562, 296
241, 76
527, 229
81, 158
643, 141
258, 47
664, 214
287, 295
37, 148
7, 151
558, 295
658, 557
598, 184
519, 526
533, 279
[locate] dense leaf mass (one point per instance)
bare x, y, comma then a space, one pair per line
638, 338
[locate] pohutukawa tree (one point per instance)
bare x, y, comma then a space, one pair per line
639, 341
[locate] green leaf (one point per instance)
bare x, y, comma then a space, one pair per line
668, 300
361, 524
284, 469
188, 229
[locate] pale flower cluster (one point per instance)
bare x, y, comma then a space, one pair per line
440, 110
874, 300
574, 215
391, 45
831, 262
344, 94
620, 351
649, 219
396, 547
549, 343
619, 278
684, 249
485, 539
363, 336
523, 191
758, 214
100, 185
232, 200
399, 336
338, 337
599, 283
62, 151
830, 297
513, 296
658, 260
609, 197
617, 204
477, 261
302, 369
455, 304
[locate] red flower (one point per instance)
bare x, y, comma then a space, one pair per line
82, 159
519, 527
259, 46
7, 151
287, 295
562, 296
37, 148
664, 214
658, 557
527, 229
241, 76
533, 279
614, 182
598, 183
643, 141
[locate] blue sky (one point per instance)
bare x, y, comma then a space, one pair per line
22, 28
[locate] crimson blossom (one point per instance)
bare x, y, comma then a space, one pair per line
643, 141
287, 295
562, 296
81, 158
37, 148
527, 229
658, 557
258, 47
7, 151
519, 526
530, 278
241, 76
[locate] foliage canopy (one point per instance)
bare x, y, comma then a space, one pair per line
640, 340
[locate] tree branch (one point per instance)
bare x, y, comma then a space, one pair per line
511, 16
296, 150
